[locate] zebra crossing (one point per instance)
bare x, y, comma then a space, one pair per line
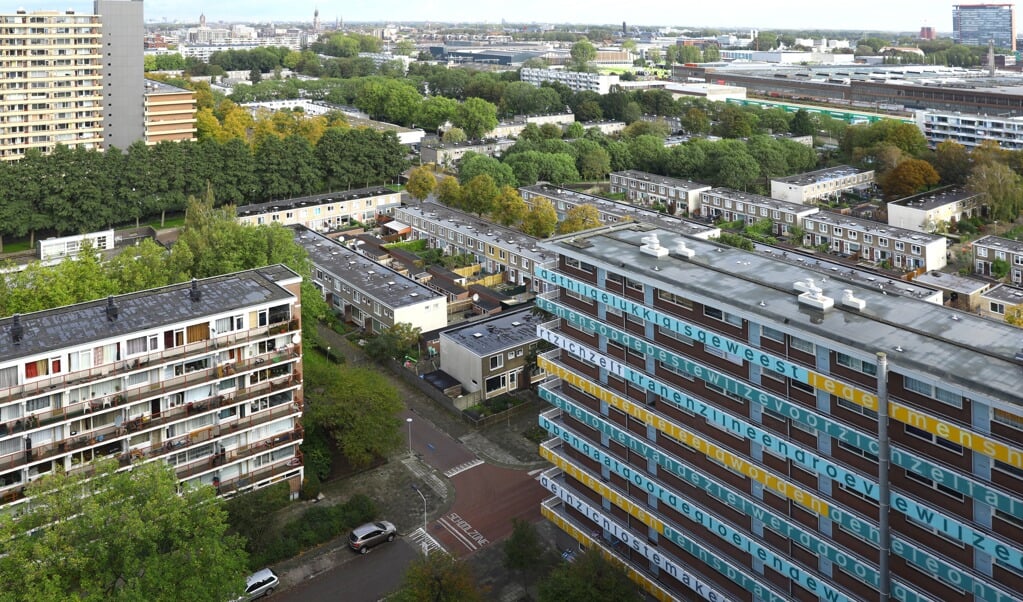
425, 541
463, 467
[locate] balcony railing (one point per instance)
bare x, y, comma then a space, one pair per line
142, 362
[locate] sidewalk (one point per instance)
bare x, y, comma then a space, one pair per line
390, 485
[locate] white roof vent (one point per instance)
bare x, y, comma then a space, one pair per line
682, 250
652, 246
477, 335
849, 300
814, 297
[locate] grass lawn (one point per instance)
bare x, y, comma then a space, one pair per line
175, 221
15, 246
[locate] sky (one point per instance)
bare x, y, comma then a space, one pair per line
874, 15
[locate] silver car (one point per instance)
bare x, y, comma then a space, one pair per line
366, 536
259, 584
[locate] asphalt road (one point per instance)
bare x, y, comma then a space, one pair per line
364, 578
437, 448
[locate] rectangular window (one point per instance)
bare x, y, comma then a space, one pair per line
678, 336
669, 368
952, 493
928, 437
856, 364
857, 408
717, 314
633, 284
857, 451
801, 344
770, 333
496, 361
8, 377
674, 299
1000, 416
800, 385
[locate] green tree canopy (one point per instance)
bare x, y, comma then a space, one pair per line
583, 53
125, 535
421, 182
438, 577
476, 116
1001, 188
910, 177
474, 164
580, 217
590, 578
541, 219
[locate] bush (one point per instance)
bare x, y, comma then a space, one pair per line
311, 486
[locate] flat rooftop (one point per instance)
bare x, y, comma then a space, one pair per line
952, 282
624, 210
311, 201
967, 350
83, 323
872, 227
763, 201
362, 273
470, 225
1007, 244
157, 87
506, 330
819, 176
927, 201
661, 180
1005, 293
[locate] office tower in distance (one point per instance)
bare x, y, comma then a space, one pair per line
977, 24
123, 71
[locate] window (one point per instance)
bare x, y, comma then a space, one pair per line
997, 308
633, 284
772, 334
674, 335
883, 242
1000, 416
899, 246
674, 299
857, 451
943, 395
669, 368
856, 364
616, 278
1008, 469
868, 238
496, 361
914, 249
801, 345
934, 439
717, 314
952, 493
800, 386
857, 408
855, 493
8, 377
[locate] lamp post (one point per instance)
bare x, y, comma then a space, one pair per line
329, 356
409, 421
425, 533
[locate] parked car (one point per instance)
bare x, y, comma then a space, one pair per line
366, 536
261, 583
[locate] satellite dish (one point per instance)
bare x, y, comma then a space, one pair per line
296, 338
475, 297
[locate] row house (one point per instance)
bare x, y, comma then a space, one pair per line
324, 212
366, 292
828, 183
934, 210
449, 153
642, 188
205, 376
875, 242
989, 249
497, 249
733, 205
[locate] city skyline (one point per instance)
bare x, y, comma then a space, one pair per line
739, 15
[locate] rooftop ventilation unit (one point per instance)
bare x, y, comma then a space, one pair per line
813, 296
111, 309
17, 330
848, 300
194, 294
652, 246
477, 335
681, 250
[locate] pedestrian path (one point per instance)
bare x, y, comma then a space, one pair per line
425, 541
463, 467
428, 476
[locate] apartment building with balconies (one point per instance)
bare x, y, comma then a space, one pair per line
170, 113
578, 81
206, 376
715, 427
51, 68
875, 242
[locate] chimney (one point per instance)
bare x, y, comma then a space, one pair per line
17, 330
194, 293
111, 309
991, 58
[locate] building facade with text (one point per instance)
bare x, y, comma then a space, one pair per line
714, 427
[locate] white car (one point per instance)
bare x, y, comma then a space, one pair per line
261, 583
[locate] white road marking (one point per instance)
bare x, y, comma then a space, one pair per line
463, 467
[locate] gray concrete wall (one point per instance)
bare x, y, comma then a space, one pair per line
123, 71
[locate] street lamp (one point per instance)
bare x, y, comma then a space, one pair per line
425, 533
409, 421
329, 356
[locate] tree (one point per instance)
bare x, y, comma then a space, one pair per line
734, 122
453, 136
541, 220
910, 177
405, 47
435, 111
523, 551
802, 124
574, 130
592, 161
359, 408
438, 577
582, 53
509, 208
1001, 189
395, 342
695, 122
476, 164
580, 217
591, 578
952, 162
521, 98
479, 194
476, 116
449, 191
421, 182
127, 535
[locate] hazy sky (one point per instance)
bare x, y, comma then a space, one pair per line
897, 15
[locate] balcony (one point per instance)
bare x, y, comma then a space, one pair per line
123, 367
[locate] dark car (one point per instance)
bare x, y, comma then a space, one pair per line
366, 536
